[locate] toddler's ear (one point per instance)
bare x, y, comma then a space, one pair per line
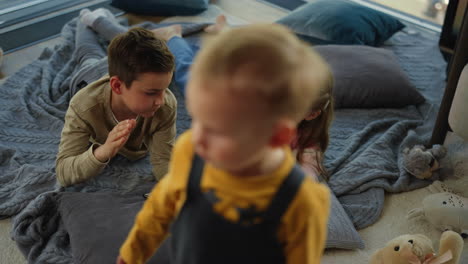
313, 115
283, 133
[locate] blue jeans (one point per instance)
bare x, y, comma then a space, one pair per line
184, 55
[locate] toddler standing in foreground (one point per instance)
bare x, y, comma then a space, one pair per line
233, 193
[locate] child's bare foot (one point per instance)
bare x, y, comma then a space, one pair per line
219, 26
166, 33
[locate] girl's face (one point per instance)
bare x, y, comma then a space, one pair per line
230, 133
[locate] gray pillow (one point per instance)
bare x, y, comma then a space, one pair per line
368, 77
341, 232
98, 224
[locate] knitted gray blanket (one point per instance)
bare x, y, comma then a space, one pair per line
364, 156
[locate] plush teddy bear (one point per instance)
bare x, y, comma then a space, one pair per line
422, 162
417, 249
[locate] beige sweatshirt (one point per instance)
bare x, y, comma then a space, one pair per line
88, 121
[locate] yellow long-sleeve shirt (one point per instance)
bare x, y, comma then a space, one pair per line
303, 226
88, 121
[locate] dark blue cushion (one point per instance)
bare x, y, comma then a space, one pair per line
342, 22
162, 7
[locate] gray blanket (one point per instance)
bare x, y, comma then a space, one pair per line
364, 156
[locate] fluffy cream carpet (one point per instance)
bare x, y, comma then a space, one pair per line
9, 253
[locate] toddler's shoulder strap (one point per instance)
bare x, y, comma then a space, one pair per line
196, 172
285, 194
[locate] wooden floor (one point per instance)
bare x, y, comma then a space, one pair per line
248, 10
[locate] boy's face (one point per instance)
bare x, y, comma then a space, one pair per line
228, 132
145, 95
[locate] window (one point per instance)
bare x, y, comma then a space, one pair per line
17, 11
432, 10
26, 22
428, 13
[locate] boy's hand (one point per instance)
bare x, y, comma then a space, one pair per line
120, 260
115, 140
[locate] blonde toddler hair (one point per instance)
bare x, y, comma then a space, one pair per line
267, 61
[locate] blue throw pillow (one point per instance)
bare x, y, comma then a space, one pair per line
342, 22
162, 7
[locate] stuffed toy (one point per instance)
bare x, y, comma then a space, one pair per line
421, 162
445, 211
417, 249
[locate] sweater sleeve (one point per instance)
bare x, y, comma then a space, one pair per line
75, 159
151, 225
305, 224
153, 221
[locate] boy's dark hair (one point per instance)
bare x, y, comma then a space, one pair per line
138, 51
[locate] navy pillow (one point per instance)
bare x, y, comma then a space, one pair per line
162, 7
342, 22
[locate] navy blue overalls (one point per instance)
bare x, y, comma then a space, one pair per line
202, 236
